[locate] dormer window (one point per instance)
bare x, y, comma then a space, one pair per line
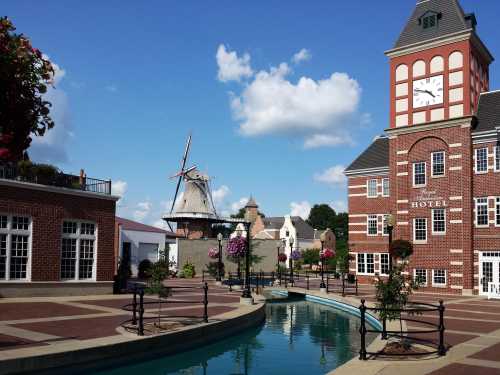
429, 20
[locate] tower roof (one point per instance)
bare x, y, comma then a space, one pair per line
450, 19
375, 156
251, 203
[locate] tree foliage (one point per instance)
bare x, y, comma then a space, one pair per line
322, 216
24, 76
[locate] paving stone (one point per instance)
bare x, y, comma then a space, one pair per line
461, 369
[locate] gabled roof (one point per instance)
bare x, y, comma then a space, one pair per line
127, 224
303, 229
488, 111
452, 20
251, 203
375, 156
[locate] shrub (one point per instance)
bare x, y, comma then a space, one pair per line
188, 270
143, 268
213, 269
401, 249
156, 273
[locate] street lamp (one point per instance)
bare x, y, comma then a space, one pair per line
246, 292
391, 221
219, 266
238, 234
322, 286
291, 241
278, 245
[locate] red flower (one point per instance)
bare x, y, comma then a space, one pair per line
4, 153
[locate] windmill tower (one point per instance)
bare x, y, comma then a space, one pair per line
193, 210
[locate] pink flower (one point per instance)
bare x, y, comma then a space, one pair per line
327, 254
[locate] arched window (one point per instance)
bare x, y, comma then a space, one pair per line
437, 64
456, 60
401, 73
418, 68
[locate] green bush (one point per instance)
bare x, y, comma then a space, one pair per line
213, 269
188, 270
143, 269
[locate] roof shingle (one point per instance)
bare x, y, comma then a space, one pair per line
375, 156
488, 111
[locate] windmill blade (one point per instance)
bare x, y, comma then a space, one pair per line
183, 173
176, 192
186, 152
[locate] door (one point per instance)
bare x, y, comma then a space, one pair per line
489, 270
126, 253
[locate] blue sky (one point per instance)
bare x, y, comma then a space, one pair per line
136, 77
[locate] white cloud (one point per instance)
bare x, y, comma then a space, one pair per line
322, 140
160, 223
272, 104
232, 67
236, 206
301, 209
51, 148
302, 55
332, 176
142, 211
119, 188
220, 194
339, 206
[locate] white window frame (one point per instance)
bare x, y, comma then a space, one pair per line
425, 174
415, 230
476, 160
79, 236
432, 164
439, 285
368, 218
386, 184
496, 161
497, 211
438, 233
365, 263
385, 226
9, 232
384, 255
476, 212
368, 188
426, 276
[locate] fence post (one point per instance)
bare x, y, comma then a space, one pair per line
441, 348
203, 276
362, 331
327, 283
134, 307
140, 331
307, 278
384, 329
356, 286
343, 286
205, 303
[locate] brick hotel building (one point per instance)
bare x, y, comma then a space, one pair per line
437, 168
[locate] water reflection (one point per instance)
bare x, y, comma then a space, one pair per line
297, 337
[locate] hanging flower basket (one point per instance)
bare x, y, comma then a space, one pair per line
296, 255
282, 258
213, 253
236, 247
327, 254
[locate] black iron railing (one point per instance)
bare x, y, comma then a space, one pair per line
137, 308
409, 335
9, 171
344, 284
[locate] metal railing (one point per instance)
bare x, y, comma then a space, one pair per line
417, 308
138, 310
342, 285
9, 171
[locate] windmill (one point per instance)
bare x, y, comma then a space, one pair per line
195, 211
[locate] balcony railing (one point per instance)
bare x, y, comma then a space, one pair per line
59, 179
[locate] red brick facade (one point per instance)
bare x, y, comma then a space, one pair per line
454, 244
46, 209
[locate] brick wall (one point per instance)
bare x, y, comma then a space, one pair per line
47, 211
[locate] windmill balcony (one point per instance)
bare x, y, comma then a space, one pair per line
10, 171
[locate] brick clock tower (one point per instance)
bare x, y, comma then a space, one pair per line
434, 164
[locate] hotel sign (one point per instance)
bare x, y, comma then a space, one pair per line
428, 199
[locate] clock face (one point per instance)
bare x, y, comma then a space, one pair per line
428, 91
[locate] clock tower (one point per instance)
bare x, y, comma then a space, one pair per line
439, 66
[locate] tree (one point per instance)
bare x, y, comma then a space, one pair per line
322, 216
24, 76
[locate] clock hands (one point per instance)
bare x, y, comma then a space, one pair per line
426, 92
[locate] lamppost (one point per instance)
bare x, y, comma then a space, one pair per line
390, 226
238, 270
246, 292
291, 240
219, 266
322, 286
278, 245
